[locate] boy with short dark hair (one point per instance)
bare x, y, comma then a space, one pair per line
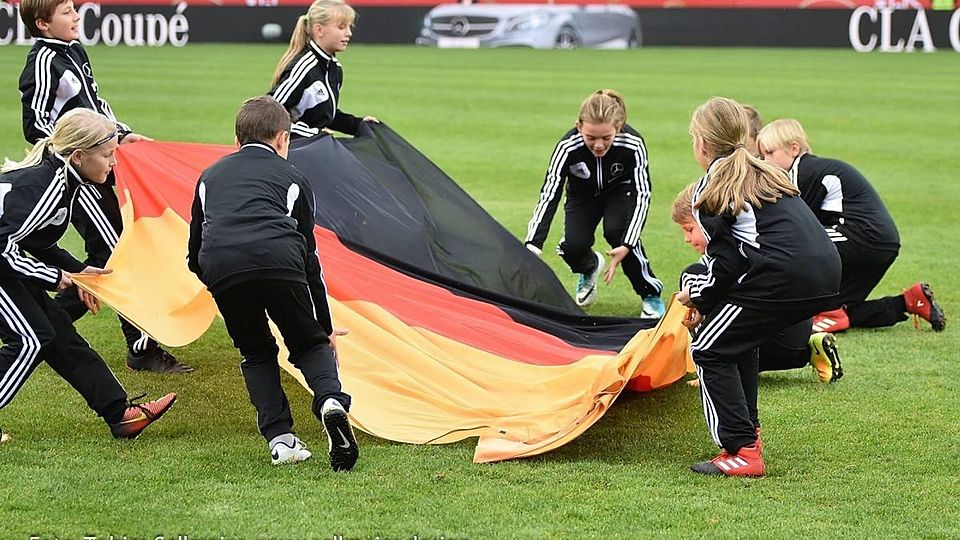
252, 244
58, 78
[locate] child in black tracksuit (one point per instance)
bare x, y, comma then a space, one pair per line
603, 162
795, 346
252, 245
860, 227
37, 200
308, 77
58, 78
770, 265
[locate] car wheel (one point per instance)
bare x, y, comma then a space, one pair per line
567, 38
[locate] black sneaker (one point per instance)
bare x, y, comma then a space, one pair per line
343, 445
157, 360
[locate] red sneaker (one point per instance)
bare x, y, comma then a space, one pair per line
140, 415
920, 303
831, 321
748, 461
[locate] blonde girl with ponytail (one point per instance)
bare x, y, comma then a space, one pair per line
37, 199
769, 266
308, 77
603, 163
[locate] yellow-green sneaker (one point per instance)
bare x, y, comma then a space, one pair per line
825, 358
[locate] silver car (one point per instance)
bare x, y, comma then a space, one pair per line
530, 25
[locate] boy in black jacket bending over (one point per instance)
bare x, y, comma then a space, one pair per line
252, 245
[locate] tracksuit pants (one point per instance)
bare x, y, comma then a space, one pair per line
863, 268
725, 352
788, 349
100, 236
245, 308
34, 328
615, 206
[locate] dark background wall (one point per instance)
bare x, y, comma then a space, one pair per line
401, 25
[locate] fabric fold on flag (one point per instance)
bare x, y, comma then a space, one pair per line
436, 353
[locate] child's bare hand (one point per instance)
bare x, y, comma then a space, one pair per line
337, 332
693, 318
684, 298
616, 254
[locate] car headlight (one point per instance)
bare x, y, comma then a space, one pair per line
533, 21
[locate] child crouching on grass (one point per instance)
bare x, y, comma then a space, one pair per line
762, 241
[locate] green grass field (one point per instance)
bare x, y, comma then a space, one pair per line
874, 455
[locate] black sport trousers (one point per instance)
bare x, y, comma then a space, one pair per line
95, 234
788, 349
615, 207
34, 328
725, 353
863, 268
245, 308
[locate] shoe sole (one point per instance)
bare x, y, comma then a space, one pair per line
342, 458
938, 321
828, 349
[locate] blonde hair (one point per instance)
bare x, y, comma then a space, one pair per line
79, 129
741, 180
603, 106
682, 210
780, 133
320, 12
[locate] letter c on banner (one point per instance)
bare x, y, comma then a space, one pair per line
854, 29
7, 38
93, 38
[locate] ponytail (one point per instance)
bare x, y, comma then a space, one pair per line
320, 12
741, 180
298, 42
34, 156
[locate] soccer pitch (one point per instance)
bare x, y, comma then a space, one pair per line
874, 455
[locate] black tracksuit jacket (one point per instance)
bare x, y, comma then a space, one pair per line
37, 203
309, 88
252, 219
845, 203
57, 78
588, 176
773, 257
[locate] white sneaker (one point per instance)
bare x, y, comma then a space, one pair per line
653, 308
287, 448
587, 286
342, 444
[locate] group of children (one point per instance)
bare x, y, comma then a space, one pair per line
251, 237
791, 244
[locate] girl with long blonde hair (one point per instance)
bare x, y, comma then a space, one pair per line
37, 198
769, 266
308, 77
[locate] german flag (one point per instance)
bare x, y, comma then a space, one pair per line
456, 329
